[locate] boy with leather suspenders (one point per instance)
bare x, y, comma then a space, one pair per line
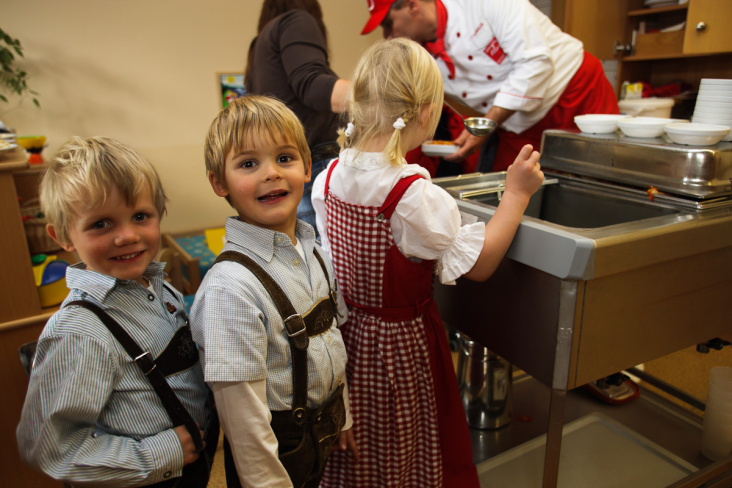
267, 312
116, 393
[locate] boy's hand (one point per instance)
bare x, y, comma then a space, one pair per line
524, 176
345, 442
186, 441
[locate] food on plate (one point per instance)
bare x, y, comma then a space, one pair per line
439, 148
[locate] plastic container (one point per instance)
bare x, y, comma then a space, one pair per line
647, 107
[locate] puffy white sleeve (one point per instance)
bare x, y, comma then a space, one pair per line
427, 224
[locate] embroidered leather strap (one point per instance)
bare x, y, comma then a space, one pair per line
299, 329
144, 360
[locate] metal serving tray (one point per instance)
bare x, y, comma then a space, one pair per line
699, 172
476, 184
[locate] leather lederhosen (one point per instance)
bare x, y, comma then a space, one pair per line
304, 435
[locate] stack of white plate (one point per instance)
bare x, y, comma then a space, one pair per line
714, 104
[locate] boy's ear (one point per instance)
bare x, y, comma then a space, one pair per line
51, 230
308, 170
218, 187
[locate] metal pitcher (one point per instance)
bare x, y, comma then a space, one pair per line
485, 383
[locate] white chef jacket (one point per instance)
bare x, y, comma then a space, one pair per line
509, 54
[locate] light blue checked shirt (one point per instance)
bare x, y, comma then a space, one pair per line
90, 415
240, 331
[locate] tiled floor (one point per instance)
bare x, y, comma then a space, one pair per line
687, 370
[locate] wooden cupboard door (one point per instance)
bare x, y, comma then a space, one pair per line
716, 36
597, 23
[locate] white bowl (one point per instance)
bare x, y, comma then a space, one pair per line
645, 127
715, 81
439, 148
724, 105
701, 97
715, 89
713, 110
694, 134
598, 123
712, 119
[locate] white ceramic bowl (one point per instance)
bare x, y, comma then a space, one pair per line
702, 97
715, 89
712, 119
713, 110
715, 81
724, 105
644, 127
598, 123
694, 134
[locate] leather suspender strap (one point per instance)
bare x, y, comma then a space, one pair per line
144, 360
298, 330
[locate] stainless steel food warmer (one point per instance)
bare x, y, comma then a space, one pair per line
624, 255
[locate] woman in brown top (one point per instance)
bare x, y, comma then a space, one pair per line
289, 60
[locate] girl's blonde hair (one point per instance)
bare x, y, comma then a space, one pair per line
394, 79
85, 171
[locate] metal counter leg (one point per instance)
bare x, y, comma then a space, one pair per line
554, 438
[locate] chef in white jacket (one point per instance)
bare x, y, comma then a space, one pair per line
505, 59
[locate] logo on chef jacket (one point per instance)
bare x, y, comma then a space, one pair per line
494, 51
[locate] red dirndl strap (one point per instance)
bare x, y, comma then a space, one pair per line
327, 179
395, 195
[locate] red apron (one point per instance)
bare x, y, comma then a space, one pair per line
588, 92
408, 420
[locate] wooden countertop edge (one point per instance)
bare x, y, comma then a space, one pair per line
26, 321
12, 166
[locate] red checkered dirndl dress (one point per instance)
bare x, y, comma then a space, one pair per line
408, 421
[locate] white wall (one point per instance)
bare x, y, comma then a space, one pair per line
144, 72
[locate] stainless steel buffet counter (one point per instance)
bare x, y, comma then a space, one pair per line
626, 257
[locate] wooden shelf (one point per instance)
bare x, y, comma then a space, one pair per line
659, 10
635, 58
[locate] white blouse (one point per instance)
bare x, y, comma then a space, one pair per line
426, 223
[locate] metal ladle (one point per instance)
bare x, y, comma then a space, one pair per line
479, 126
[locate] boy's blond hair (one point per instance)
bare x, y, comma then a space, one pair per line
84, 172
245, 118
394, 78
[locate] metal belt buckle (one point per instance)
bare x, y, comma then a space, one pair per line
145, 362
301, 322
295, 332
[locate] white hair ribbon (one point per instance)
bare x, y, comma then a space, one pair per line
399, 124
349, 130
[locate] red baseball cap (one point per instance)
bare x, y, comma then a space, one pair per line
378, 10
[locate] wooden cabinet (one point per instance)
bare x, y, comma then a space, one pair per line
708, 27
701, 49
18, 294
21, 315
